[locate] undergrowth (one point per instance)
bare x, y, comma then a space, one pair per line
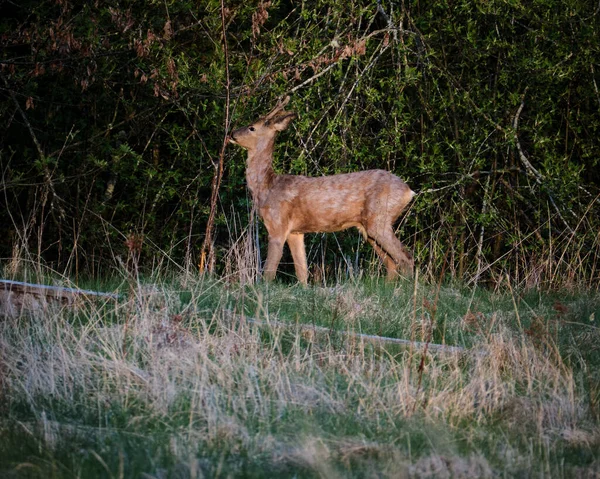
172, 380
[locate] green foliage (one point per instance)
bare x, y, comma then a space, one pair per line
126, 101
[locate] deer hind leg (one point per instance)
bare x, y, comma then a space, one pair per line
296, 243
390, 264
386, 240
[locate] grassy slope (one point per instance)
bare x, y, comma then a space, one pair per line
167, 385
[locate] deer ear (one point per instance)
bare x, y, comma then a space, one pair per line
281, 122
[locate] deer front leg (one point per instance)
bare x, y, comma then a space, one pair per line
274, 254
296, 243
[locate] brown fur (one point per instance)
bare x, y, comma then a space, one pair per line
291, 205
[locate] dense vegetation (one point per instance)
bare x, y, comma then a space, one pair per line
113, 116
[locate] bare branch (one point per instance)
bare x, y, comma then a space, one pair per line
206, 251
312, 79
529, 167
526, 163
594, 78
25, 119
38, 146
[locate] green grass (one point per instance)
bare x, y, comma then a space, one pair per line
164, 383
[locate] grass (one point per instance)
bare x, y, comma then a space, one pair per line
165, 384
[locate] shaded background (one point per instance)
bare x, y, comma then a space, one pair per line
113, 116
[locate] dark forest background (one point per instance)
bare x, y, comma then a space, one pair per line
113, 115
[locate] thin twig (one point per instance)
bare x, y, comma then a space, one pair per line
312, 78
337, 62
390, 24
594, 78
484, 208
47, 175
529, 167
205, 253
25, 119
526, 163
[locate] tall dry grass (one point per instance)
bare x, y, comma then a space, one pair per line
213, 396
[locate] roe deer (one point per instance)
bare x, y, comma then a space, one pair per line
291, 205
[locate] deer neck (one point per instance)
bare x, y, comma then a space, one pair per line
260, 173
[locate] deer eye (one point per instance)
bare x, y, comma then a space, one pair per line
251, 128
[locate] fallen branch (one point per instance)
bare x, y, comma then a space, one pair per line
63, 293
56, 292
17, 297
370, 338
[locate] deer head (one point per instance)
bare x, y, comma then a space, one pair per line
261, 134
